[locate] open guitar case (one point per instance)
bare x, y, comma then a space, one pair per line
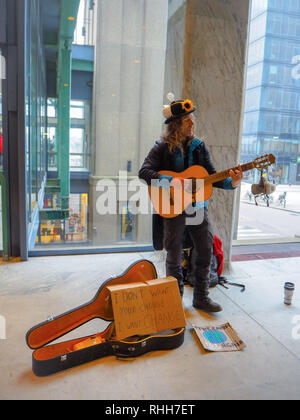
48, 359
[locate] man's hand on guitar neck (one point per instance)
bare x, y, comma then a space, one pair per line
236, 176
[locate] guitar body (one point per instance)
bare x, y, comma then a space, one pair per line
170, 202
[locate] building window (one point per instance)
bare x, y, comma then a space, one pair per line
79, 135
77, 140
273, 74
71, 230
77, 110
127, 224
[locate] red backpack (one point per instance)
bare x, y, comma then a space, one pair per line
219, 254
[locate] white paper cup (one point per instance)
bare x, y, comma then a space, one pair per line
288, 293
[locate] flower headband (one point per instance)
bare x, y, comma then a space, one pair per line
177, 109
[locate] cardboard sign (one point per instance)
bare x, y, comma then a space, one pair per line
222, 338
146, 308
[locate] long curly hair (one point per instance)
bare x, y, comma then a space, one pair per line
172, 135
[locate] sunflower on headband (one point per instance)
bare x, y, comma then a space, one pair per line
187, 105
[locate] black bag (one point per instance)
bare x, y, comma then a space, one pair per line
188, 257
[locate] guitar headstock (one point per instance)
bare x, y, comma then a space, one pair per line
264, 161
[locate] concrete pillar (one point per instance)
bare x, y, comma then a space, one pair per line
214, 68
174, 75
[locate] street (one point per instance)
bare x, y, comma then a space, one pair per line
274, 222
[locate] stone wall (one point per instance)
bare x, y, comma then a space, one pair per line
214, 69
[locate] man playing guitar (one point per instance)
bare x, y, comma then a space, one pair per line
177, 150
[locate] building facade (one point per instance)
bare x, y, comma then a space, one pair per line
272, 99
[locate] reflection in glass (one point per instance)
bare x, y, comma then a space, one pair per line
272, 116
65, 231
2, 77
80, 136
112, 131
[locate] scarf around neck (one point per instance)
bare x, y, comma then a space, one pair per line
179, 157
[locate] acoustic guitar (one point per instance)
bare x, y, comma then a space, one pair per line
169, 201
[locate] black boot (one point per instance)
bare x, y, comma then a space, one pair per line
206, 304
201, 292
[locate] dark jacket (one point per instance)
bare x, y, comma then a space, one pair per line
161, 159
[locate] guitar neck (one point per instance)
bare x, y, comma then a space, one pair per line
220, 176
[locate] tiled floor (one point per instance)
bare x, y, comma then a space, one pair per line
269, 367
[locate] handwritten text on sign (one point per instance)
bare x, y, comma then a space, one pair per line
147, 308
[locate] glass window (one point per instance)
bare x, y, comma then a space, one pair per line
249, 146
76, 147
258, 6
77, 112
52, 148
251, 122
277, 117
254, 75
85, 29
258, 27
287, 147
256, 52
275, 22
281, 50
271, 98
270, 122
297, 125
128, 80
252, 99
127, 224
35, 115
77, 109
267, 146
73, 230
2, 77
294, 148
76, 140
274, 48
285, 123
273, 71
80, 135
51, 108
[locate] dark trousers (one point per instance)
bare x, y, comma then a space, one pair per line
202, 237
